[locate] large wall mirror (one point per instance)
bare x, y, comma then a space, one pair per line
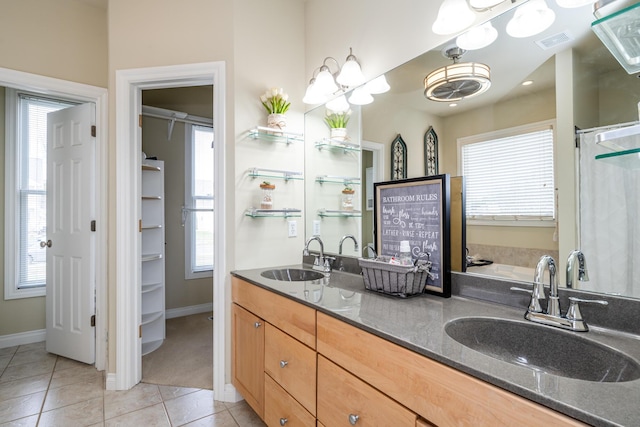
577, 83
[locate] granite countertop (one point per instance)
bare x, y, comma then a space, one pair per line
418, 323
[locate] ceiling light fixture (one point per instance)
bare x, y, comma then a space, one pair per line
527, 83
457, 81
453, 16
477, 37
530, 18
360, 96
326, 83
377, 85
569, 4
482, 5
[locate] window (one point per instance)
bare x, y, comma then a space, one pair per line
198, 210
26, 192
509, 175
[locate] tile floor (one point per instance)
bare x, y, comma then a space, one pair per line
41, 389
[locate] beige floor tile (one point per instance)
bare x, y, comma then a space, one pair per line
4, 361
170, 392
22, 387
31, 421
220, 419
72, 394
33, 346
151, 416
21, 407
8, 351
12, 373
64, 363
76, 374
121, 402
38, 355
84, 413
245, 416
191, 407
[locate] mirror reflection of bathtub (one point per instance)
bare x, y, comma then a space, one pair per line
511, 272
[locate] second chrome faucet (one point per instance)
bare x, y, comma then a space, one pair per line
553, 315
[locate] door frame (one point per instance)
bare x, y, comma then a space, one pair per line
83, 93
129, 86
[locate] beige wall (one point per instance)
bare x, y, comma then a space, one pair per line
65, 39
197, 101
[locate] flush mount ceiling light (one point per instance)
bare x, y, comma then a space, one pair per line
457, 81
453, 16
477, 37
326, 83
530, 18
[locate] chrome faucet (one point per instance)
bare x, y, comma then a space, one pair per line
547, 262
321, 262
583, 274
553, 316
348, 236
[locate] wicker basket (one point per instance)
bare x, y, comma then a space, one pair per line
391, 279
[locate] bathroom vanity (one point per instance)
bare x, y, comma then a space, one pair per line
328, 350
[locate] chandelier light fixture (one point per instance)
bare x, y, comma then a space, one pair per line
457, 81
326, 83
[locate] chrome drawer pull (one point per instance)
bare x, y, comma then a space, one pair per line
353, 419
283, 421
257, 324
283, 363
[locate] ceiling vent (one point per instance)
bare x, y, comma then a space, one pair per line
555, 40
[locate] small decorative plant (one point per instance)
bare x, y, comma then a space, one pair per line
337, 120
348, 190
266, 185
275, 101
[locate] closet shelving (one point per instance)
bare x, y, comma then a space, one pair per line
152, 256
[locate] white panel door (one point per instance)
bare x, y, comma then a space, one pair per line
70, 300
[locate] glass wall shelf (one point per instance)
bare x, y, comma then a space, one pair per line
625, 137
273, 213
276, 135
327, 213
333, 145
274, 173
344, 180
629, 159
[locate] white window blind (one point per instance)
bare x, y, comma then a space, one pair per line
199, 202
26, 198
510, 177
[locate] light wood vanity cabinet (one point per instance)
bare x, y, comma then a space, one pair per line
342, 370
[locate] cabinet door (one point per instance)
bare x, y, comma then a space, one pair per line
248, 357
292, 365
344, 400
282, 409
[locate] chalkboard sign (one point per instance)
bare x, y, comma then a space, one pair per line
416, 210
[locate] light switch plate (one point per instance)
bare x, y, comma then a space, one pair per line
316, 227
293, 228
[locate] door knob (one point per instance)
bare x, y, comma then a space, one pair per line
45, 244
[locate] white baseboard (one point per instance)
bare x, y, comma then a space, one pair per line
230, 394
110, 382
22, 338
187, 311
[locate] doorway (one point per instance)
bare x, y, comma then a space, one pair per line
80, 93
129, 87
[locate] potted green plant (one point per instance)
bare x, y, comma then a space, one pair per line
337, 122
276, 102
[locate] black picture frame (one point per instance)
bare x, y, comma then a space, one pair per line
418, 210
398, 158
430, 152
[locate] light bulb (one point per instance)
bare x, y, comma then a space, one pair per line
325, 84
312, 95
477, 37
351, 73
530, 18
453, 16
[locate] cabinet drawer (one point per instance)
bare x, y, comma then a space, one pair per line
443, 395
282, 409
344, 400
292, 365
297, 320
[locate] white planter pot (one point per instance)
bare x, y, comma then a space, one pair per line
277, 121
338, 134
